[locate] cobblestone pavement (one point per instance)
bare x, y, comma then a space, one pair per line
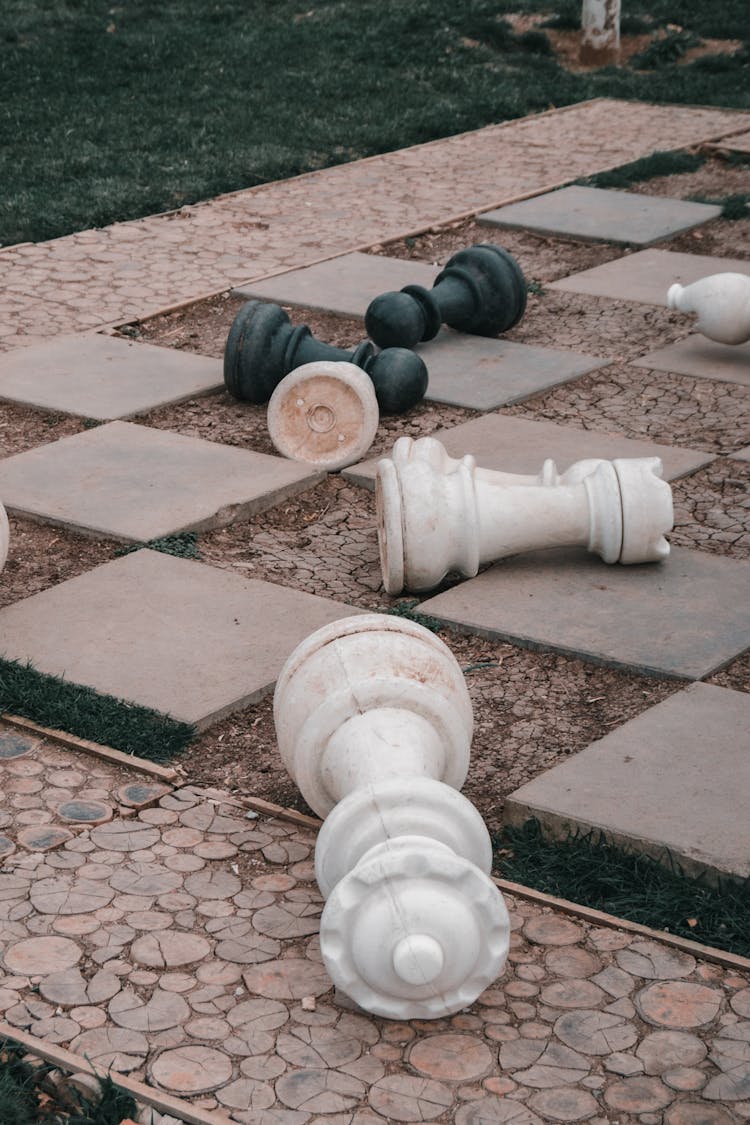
172, 934
133, 269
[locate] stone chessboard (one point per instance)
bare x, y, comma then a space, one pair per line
137, 483
521, 445
685, 617
598, 215
483, 373
647, 275
674, 778
104, 377
703, 359
345, 285
183, 638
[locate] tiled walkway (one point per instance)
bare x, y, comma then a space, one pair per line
133, 269
177, 941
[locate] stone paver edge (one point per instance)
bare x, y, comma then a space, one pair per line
565, 906
147, 1095
116, 757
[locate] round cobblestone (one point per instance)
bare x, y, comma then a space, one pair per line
164, 1010
191, 1069
496, 1111
169, 950
288, 979
571, 961
551, 929
595, 1033
573, 993
114, 1047
41, 956
248, 1094
678, 1004
685, 1079
664, 1050
451, 1058
697, 1113
399, 1097
638, 1095
740, 1003
653, 961
564, 1104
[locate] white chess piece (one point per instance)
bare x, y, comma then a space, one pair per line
436, 514
722, 302
4, 536
324, 413
374, 723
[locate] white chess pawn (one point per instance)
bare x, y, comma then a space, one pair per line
436, 514
4, 536
722, 302
324, 413
374, 723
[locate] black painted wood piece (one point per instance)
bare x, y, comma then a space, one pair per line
481, 291
262, 347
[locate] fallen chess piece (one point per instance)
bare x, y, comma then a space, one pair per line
4, 536
324, 413
722, 302
262, 347
481, 291
374, 724
436, 514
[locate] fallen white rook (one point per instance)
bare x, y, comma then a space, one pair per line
437, 514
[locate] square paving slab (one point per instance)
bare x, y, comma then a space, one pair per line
703, 359
521, 445
647, 275
597, 215
137, 483
484, 373
676, 777
175, 635
685, 617
343, 285
104, 377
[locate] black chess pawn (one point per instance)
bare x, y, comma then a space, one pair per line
263, 347
481, 291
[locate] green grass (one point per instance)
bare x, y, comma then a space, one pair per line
20, 1102
57, 703
733, 207
184, 545
657, 164
588, 869
112, 111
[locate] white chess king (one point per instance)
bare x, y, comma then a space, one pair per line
437, 514
374, 723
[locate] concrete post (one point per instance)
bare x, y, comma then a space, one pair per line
600, 32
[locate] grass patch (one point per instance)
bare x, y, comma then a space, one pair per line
184, 545
733, 207
667, 48
408, 609
658, 164
112, 112
54, 702
588, 869
23, 1103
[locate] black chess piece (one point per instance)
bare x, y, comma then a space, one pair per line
263, 347
481, 291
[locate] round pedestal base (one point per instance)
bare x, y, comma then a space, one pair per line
324, 413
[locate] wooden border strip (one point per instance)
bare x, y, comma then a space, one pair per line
116, 757
147, 1095
565, 906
